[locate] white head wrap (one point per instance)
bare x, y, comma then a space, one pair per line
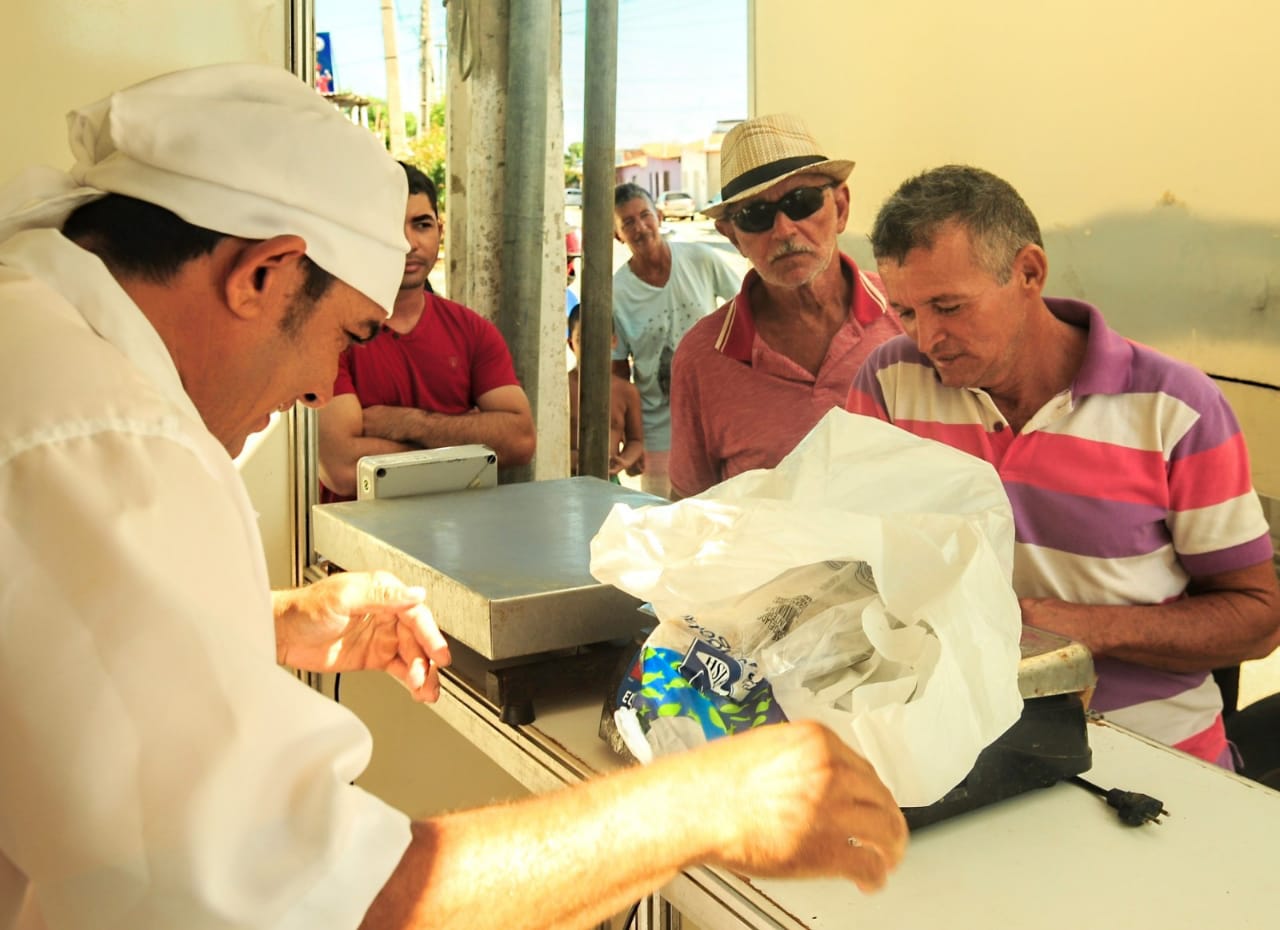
244, 150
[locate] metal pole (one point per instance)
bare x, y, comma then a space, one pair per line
395, 113
300, 52
426, 76
524, 194
599, 119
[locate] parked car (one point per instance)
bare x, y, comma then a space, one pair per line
676, 205
572, 197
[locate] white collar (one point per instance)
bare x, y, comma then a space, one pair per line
82, 278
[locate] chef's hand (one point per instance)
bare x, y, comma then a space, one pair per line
798, 802
362, 620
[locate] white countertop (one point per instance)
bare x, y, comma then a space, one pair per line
1053, 858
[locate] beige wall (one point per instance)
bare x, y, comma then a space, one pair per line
267, 471
420, 764
59, 54
1143, 135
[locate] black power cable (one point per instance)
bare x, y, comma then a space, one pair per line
1133, 808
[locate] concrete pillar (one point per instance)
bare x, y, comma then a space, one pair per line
476, 123
552, 413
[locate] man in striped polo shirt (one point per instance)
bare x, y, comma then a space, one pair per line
1138, 530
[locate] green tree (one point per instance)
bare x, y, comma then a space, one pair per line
428, 152
376, 119
573, 165
375, 116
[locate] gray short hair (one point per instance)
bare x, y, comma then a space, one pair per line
998, 220
627, 192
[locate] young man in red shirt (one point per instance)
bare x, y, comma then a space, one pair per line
438, 374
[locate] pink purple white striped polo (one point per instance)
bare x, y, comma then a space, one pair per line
1123, 487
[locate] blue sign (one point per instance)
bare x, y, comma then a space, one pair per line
324, 64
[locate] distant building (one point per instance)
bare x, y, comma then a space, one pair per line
654, 166
692, 167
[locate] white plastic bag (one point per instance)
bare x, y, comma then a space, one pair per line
864, 580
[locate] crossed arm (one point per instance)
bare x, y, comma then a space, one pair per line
502, 421
1225, 619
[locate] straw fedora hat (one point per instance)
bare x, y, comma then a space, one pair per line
760, 152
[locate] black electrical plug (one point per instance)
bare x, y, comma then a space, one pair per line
1136, 809
1133, 808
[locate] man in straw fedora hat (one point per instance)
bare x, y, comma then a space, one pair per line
196, 270
750, 380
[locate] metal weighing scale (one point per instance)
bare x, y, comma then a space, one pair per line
506, 568
506, 572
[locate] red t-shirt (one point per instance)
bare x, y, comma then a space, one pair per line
443, 364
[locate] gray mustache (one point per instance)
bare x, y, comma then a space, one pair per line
790, 248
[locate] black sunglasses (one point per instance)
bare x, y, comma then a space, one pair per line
797, 204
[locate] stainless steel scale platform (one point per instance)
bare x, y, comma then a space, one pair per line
506, 569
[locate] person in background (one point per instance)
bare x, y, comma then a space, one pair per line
1138, 532
437, 374
749, 381
626, 425
194, 273
573, 255
662, 290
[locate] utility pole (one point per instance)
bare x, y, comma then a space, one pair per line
395, 113
426, 68
600, 105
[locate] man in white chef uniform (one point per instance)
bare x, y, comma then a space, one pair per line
199, 268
